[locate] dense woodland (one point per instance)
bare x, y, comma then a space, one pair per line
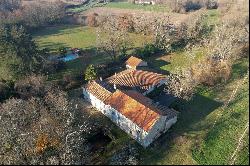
41, 124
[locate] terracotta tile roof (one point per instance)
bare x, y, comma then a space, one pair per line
138, 113
98, 90
130, 78
139, 97
133, 61
160, 109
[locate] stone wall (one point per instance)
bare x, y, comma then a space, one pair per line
142, 137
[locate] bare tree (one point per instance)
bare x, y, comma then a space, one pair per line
39, 14
181, 85
112, 41
226, 40
43, 130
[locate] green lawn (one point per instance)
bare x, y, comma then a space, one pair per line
77, 37
68, 36
177, 60
126, 5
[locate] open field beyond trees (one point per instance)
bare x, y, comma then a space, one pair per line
71, 36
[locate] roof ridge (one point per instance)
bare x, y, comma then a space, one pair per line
156, 108
139, 101
102, 86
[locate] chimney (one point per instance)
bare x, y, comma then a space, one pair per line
114, 86
100, 78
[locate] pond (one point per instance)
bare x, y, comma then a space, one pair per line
69, 57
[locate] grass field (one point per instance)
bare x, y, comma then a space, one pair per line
77, 37
193, 140
177, 60
126, 5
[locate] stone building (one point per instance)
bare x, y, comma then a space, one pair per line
121, 98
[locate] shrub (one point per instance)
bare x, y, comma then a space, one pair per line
92, 20
109, 69
71, 81
147, 51
52, 67
191, 5
30, 86
4, 91
184, 6
125, 22
90, 73
211, 71
62, 50
211, 4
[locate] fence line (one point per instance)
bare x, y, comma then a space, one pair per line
231, 98
234, 157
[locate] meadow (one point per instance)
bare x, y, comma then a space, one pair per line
84, 37
74, 36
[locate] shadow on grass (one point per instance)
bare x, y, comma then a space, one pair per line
55, 30
156, 65
240, 68
191, 114
52, 46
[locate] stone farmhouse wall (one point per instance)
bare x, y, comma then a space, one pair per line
142, 137
161, 126
120, 120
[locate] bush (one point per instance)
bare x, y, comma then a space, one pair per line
211, 71
52, 67
30, 86
91, 20
70, 82
4, 91
109, 69
191, 5
211, 4
62, 50
125, 22
147, 51
184, 6
90, 73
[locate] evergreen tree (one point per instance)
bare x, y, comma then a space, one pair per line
90, 73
